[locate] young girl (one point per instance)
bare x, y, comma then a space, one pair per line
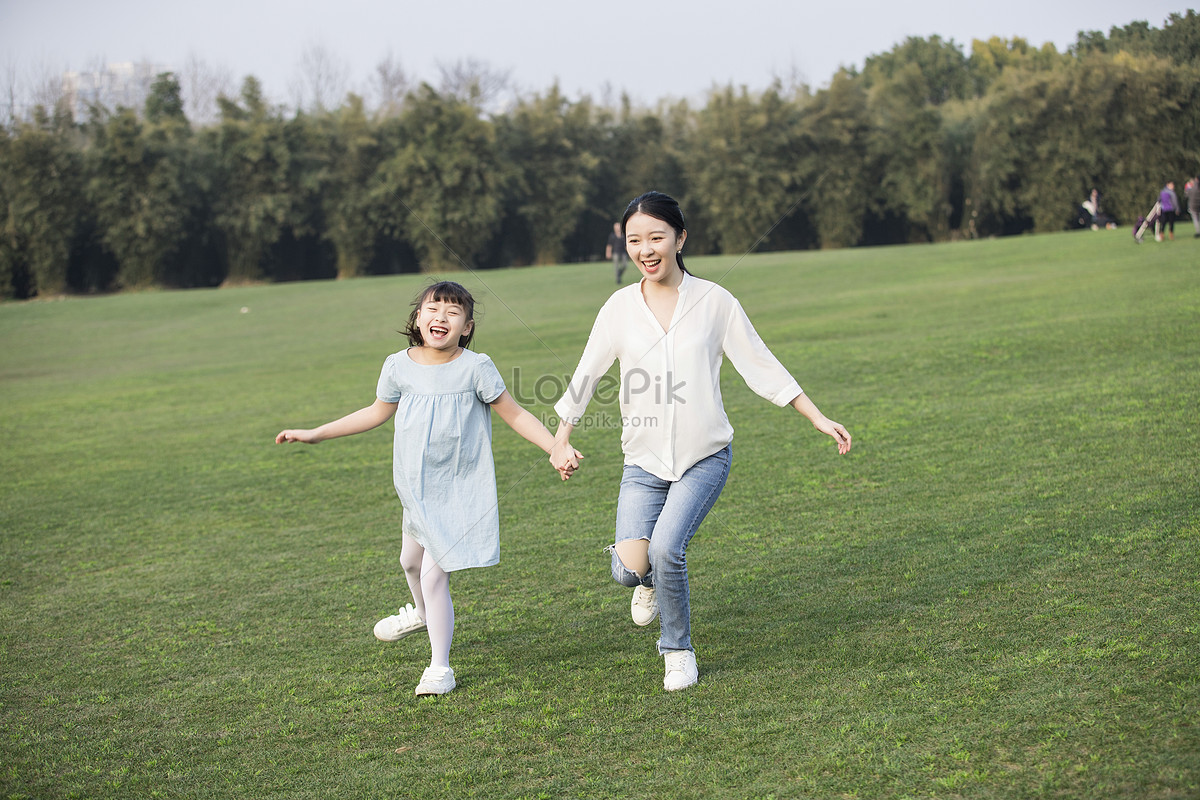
439, 392
670, 332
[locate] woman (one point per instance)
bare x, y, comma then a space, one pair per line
670, 333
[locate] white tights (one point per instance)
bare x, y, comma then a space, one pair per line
430, 588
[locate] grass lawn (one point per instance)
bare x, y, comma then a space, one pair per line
994, 595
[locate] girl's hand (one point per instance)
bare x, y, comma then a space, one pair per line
306, 436
834, 429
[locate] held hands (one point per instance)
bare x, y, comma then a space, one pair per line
565, 459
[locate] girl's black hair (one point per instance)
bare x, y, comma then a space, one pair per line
662, 207
445, 292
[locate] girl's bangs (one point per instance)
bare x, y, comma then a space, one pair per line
449, 292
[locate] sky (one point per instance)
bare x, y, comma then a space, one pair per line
652, 51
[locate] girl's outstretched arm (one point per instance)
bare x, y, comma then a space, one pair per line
528, 426
364, 419
821, 422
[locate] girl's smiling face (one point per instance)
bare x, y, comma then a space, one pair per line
653, 245
442, 324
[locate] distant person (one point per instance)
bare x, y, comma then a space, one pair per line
1098, 218
1169, 201
1088, 216
615, 250
671, 331
1192, 190
442, 462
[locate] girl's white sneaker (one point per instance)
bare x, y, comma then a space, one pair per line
681, 670
435, 680
399, 625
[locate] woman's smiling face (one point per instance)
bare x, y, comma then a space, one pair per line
653, 245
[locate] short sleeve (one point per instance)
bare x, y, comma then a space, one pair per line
488, 383
387, 389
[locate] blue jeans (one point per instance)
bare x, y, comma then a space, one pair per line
668, 513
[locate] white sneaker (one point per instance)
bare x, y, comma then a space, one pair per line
681, 670
644, 607
435, 680
399, 625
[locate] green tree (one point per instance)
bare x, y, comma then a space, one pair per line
10, 263
831, 157
741, 163
1148, 132
1120, 123
906, 153
165, 101
1180, 38
42, 177
442, 186
933, 71
348, 199
1015, 120
303, 250
550, 143
911, 90
1136, 37
641, 151
252, 202
635, 150
140, 186
991, 57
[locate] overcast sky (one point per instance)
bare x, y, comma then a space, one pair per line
651, 50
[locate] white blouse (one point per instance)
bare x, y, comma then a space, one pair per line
671, 410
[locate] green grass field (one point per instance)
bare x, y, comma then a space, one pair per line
995, 595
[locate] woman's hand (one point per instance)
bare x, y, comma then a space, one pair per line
840, 435
821, 422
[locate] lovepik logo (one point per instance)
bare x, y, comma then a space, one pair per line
547, 389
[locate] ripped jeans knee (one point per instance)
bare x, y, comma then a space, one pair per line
626, 577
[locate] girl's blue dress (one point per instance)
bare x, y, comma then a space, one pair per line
442, 465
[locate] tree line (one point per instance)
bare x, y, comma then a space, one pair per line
923, 144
